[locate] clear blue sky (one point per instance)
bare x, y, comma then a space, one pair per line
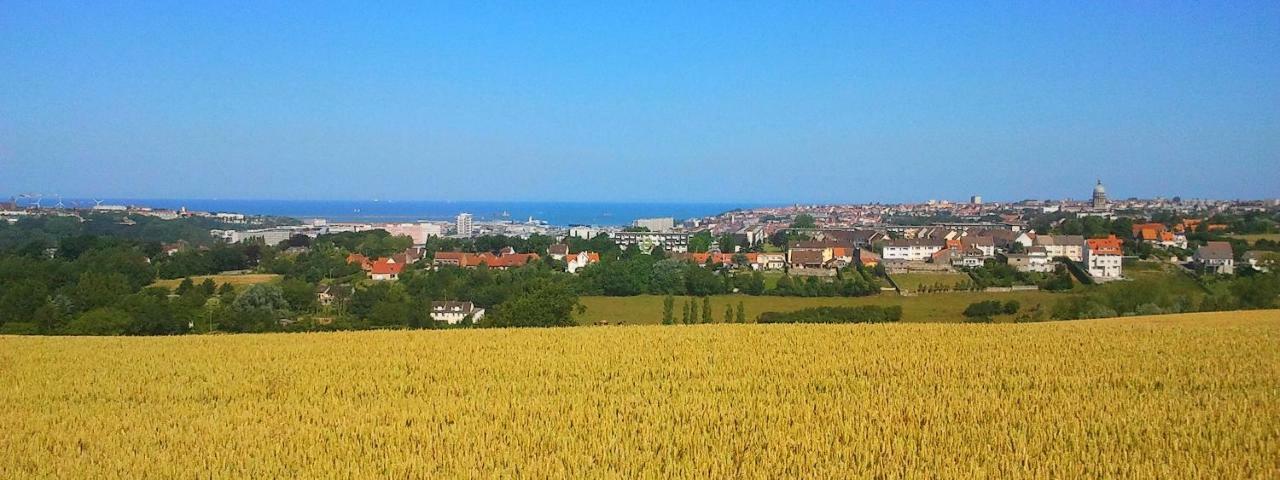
681, 101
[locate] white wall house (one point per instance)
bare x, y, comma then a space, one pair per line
1035, 260
920, 249
1102, 265
454, 312
1216, 257
577, 261
1070, 246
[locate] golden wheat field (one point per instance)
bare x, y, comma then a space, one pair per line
1156, 397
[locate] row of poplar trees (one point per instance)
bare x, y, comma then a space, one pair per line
690, 313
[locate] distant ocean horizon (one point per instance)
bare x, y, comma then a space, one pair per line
372, 211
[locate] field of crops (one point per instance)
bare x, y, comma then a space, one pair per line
1157, 397
236, 280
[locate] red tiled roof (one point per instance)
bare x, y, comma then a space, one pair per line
359, 259
386, 266
1105, 246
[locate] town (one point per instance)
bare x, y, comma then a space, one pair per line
798, 250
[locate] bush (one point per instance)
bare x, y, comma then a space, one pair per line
1011, 307
860, 314
986, 309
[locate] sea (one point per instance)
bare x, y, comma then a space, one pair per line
372, 211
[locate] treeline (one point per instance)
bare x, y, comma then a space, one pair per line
994, 273
39, 232
1154, 297
858, 314
637, 274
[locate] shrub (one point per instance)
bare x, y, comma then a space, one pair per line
860, 314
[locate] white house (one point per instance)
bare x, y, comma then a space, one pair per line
916, 249
1216, 257
1036, 259
770, 261
454, 312
1102, 257
1070, 246
576, 261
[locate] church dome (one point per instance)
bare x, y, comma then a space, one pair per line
1097, 189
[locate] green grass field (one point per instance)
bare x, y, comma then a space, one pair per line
912, 282
939, 307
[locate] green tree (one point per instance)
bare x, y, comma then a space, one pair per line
95, 290
544, 304
756, 285
19, 300
300, 294
100, 321
804, 220
742, 312
668, 307
208, 287
728, 313
706, 310
700, 242
185, 286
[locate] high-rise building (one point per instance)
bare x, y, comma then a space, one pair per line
663, 224
464, 224
976, 200
1099, 196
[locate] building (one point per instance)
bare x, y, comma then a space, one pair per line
1158, 234
1036, 259
268, 236
385, 269
1261, 260
558, 251
1102, 257
833, 253
646, 241
806, 258
975, 200
663, 224
419, 232
463, 225
327, 294
578, 261
916, 249
1070, 246
984, 245
770, 261
867, 258
584, 232
454, 313
1099, 196
1216, 257
505, 259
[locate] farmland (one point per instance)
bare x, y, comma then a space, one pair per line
1176, 396
236, 280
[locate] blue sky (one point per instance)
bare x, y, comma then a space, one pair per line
680, 101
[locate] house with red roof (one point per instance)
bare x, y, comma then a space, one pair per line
505, 259
578, 261
1102, 257
361, 260
1159, 234
384, 269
